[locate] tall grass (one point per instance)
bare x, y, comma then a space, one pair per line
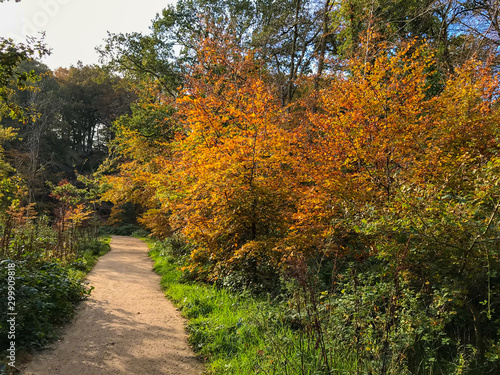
366, 325
240, 333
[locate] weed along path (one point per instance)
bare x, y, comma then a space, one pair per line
127, 326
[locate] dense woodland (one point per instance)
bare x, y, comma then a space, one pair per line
339, 158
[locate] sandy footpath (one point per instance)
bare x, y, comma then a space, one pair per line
127, 326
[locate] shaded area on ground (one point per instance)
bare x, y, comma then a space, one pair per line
126, 327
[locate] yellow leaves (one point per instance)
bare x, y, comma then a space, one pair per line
230, 161
6, 133
79, 214
246, 180
379, 128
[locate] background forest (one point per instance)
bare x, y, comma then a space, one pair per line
338, 160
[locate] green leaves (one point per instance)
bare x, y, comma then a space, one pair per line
45, 297
11, 55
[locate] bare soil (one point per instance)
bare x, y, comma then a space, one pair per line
127, 326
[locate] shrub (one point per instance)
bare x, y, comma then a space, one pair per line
45, 296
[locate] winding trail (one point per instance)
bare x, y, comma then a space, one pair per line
127, 326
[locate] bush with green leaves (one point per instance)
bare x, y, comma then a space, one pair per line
375, 316
358, 316
45, 296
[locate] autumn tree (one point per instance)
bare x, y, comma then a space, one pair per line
397, 176
219, 181
233, 160
381, 177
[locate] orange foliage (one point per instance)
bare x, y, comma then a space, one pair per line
378, 130
230, 164
253, 184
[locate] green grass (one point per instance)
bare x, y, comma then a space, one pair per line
221, 327
239, 334
89, 254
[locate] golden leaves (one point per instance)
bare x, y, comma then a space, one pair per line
247, 180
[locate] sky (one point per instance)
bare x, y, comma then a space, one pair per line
75, 27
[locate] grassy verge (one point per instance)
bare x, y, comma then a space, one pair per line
89, 255
220, 325
306, 332
241, 334
45, 296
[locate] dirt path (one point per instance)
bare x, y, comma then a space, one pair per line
126, 327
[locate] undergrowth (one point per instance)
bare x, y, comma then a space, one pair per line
239, 333
366, 324
46, 292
